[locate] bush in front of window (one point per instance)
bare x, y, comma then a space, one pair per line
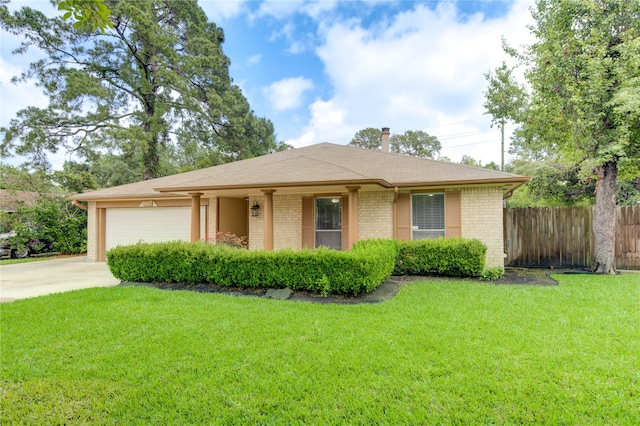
451, 257
319, 270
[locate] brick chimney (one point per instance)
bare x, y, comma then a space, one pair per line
385, 139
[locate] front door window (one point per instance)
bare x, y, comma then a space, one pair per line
329, 222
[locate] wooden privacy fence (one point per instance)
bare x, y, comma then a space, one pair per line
562, 236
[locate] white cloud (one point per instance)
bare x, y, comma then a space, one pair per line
217, 10
419, 70
298, 42
316, 9
255, 59
286, 32
329, 117
287, 94
279, 9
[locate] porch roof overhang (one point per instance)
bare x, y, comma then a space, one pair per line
508, 185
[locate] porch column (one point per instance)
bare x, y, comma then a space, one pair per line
195, 216
101, 222
353, 216
268, 218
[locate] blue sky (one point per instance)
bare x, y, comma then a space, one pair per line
323, 70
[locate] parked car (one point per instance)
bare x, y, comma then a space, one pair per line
26, 250
5, 247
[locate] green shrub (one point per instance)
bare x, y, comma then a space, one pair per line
454, 257
492, 274
321, 270
51, 219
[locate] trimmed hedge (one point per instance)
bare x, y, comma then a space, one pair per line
453, 257
321, 270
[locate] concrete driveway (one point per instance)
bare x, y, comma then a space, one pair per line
22, 280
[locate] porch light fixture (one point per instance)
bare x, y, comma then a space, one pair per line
254, 209
335, 200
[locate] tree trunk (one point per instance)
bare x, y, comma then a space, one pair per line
604, 221
151, 158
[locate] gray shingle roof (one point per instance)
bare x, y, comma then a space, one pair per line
320, 164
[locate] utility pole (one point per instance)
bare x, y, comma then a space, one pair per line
502, 131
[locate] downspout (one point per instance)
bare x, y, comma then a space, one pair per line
78, 204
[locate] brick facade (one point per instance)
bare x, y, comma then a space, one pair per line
256, 225
481, 211
375, 214
481, 218
287, 221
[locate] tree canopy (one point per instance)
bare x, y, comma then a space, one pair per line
584, 74
369, 138
88, 14
417, 143
505, 100
153, 86
467, 160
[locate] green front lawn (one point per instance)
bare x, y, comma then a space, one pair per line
438, 353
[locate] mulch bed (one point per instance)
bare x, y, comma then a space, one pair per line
385, 291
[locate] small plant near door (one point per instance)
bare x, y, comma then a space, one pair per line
228, 239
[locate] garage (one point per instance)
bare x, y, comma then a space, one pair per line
126, 226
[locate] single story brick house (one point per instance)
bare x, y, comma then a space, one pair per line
321, 195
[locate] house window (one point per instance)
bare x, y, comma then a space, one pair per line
329, 222
427, 216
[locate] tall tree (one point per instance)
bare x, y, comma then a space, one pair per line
584, 72
369, 138
158, 78
468, 160
20, 179
505, 100
89, 14
417, 143
412, 142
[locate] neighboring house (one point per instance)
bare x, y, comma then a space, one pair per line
320, 195
10, 200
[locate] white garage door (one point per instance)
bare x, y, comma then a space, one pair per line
150, 225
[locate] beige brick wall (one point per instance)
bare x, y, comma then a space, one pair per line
256, 225
481, 215
92, 243
375, 214
375, 219
212, 219
287, 221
